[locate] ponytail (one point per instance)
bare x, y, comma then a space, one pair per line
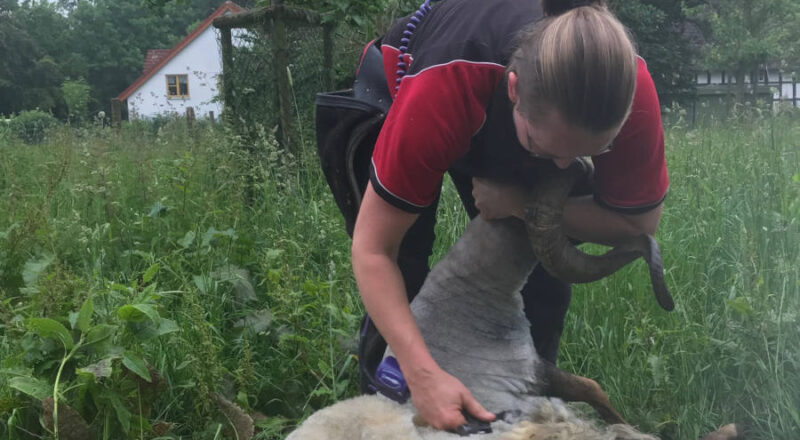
579, 61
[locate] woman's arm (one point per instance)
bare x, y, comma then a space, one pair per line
584, 219
379, 230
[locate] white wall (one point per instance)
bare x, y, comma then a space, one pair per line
201, 61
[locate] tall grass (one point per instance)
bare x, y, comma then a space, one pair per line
730, 235
250, 262
246, 254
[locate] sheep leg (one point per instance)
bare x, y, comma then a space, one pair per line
573, 388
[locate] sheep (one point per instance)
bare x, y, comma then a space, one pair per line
470, 314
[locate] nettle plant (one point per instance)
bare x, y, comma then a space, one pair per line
88, 368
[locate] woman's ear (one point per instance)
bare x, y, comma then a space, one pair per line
512, 87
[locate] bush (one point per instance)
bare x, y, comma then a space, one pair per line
5, 131
31, 126
77, 95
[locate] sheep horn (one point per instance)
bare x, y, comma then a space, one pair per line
543, 217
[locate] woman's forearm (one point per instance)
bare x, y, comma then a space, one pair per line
384, 296
379, 230
587, 221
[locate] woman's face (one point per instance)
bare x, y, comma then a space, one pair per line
552, 138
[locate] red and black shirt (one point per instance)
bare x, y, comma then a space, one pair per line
452, 112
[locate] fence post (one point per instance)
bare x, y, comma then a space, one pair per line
327, 53
227, 73
116, 114
284, 90
190, 117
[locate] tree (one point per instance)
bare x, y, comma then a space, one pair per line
747, 34
29, 78
76, 95
656, 26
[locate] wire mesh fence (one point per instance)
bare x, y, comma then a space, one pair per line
254, 83
275, 61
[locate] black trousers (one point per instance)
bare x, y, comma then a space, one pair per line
546, 298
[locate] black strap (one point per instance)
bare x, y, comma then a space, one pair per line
370, 84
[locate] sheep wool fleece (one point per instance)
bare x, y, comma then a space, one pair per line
471, 315
375, 417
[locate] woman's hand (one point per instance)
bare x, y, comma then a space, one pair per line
498, 200
439, 398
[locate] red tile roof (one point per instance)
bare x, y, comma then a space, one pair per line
153, 57
226, 7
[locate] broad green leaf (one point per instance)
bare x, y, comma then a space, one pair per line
136, 364
85, 315
31, 386
150, 273
99, 333
240, 278
204, 283
120, 288
273, 424
213, 233
138, 312
148, 329
741, 306
208, 236
100, 369
187, 239
273, 254
72, 318
4, 234
123, 415
257, 321
796, 177
656, 369
157, 210
34, 268
49, 328
166, 326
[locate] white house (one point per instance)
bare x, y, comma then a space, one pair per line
769, 81
188, 75
780, 86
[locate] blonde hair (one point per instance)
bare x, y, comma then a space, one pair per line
579, 61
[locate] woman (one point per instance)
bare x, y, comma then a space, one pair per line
486, 88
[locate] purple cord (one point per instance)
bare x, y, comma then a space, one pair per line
411, 26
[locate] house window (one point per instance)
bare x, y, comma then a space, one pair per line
177, 86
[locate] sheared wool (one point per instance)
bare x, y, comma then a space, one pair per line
378, 418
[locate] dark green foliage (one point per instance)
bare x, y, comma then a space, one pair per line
29, 76
76, 95
657, 29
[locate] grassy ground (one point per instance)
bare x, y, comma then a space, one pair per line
228, 272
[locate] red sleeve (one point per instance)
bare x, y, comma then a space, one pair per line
429, 125
633, 176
